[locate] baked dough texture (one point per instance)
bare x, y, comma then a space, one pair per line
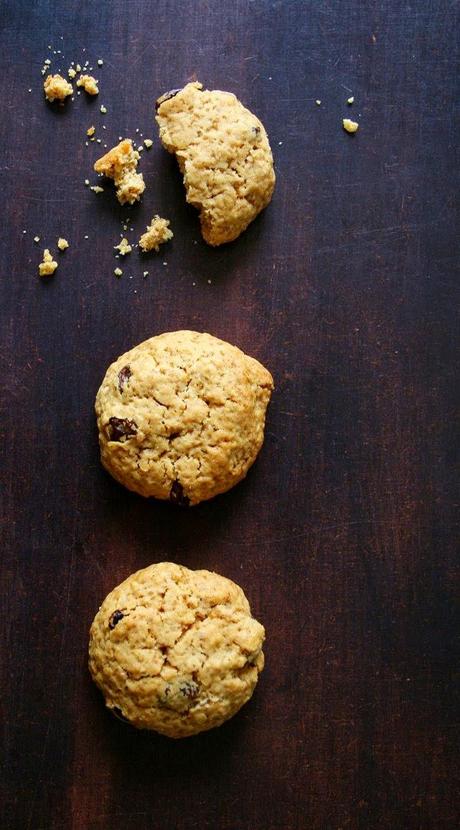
223, 152
181, 416
176, 650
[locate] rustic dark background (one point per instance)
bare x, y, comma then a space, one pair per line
343, 533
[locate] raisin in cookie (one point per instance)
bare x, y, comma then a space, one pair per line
181, 416
224, 155
176, 650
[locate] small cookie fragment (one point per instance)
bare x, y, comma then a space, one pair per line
156, 234
91, 130
199, 407
224, 155
176, 651
71, 72
48, 266
89, 84
62, 244
118, 272
123, 247
351, 100
349, 125
56, 88
120, 164
148, 143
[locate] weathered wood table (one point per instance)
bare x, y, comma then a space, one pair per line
343, 533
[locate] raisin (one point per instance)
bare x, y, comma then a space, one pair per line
189, 689
166, 97
177, 496
115, 618
119, 428
123, 377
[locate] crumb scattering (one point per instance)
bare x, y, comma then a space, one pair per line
96, 188
318, 102
120, 164
100, 62
36, 239
123, 247
89, 84
156, 234
148, 143
351, 99
118, 272
91, 130
349, 125
71, 72
48, 266
56, 88
103, 109
62, 243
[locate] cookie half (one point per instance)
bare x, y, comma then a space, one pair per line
181, 416
223, 152
176, 650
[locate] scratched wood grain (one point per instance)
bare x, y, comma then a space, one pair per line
343, 533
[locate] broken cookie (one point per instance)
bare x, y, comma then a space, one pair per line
223, 153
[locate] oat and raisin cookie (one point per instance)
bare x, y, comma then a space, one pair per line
224, 155
181, 416
176, 650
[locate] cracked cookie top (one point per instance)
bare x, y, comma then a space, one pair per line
176, 650
223, 153
181, 416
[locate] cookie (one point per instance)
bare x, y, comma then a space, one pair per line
181, 416
223, 152
176, 650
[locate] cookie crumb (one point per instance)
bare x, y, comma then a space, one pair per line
118, 272
318, 102
351, 99
156, 234
56, 88
123, 247
36, 239
97, 189
62, 244
103, 109
86, 236
100, 62
146, 273
350, 126
148, 143
89, 84
87, 182
71, 72
48, 266
120, 164
91, 130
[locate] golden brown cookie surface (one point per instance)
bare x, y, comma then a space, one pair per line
181, 416
223, 152
176, 650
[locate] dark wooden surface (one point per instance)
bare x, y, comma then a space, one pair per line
343, 533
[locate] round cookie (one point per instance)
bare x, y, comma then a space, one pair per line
223, 152
176, 650
181, 416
